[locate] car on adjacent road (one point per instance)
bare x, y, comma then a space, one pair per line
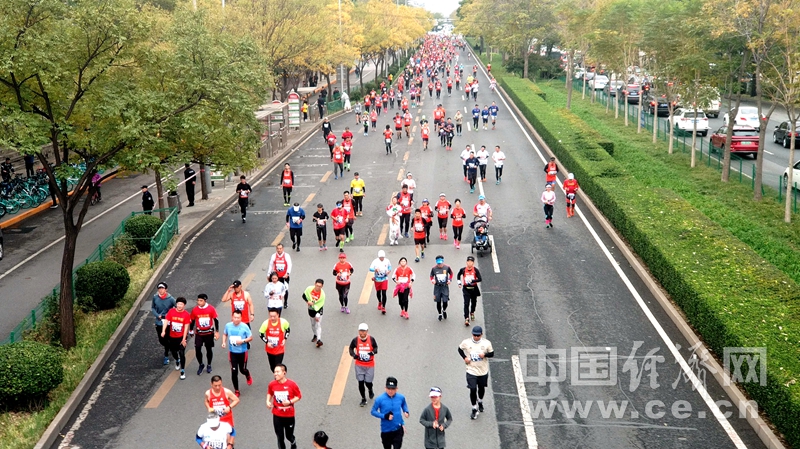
631, 92
744, 141
598, 82
795, 175
656, 104
712, 110
613, 87
783, 134
746, 116
684, 121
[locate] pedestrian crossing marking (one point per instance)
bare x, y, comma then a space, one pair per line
339, 382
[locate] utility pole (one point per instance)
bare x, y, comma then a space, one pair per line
341, 66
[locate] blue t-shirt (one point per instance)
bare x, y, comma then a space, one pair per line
242, 332
493, 110
476, 113
485, 113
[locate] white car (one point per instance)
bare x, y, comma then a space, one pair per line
599, 82
684, 121
795, 175
746, 116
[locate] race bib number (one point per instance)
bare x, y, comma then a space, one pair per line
282, 396
552, 172
468, 279
388, 140
295, 219
344, 276
287, 181
242, 194
204, 322
280, 266
419, 227
272, 341
363, 354
235, 340
404, 202
275, 303
441, 278
475, 356
571, 196
238, 305
177, 327
402, 280
220, 409
356, 189
321, 222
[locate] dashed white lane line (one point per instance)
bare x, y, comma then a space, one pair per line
696, 384
524, 404
495, 263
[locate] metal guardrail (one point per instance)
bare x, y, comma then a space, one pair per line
158, 244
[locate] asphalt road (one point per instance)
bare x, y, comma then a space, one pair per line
559, 289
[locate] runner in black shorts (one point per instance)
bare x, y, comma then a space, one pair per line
321, 219
441, 275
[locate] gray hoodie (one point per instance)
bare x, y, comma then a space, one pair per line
434, 438
160, 307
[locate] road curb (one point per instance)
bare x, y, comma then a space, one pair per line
762, 429
44, 206
62, 418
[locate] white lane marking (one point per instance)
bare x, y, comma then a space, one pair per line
495, 263
465, 108
524, 404
769, 152
697, 385
54, 242
469, 128
65, 443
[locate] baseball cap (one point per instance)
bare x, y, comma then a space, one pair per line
481, 197
548, 186
212, 420
408, 174
435, 392
162, 285
439, 259
391, 382
381, 253
342, 255
477, 330
425, 200
237, 283
442, 194
143, 187
472, 258
363, 327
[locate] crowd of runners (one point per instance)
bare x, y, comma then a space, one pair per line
437, 64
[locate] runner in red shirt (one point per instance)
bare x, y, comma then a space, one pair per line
178, 320
442, 214
282, 394
403, 276
398, 125
337, 156
407, 122
373, 118
220, 400
571, 190
404, 104
551, 170
367, 103
425, 132
241, 301
449, 86
204, 318
406, 203
343, 270
347, 134
387, 138
274, 331
339, 218
347, 146
331, 140
457, 215
418, 226
427, 215
287, 182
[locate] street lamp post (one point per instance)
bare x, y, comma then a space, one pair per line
341, 66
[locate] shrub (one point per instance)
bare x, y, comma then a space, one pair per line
29, 371
101, 285
122, 251
142, 228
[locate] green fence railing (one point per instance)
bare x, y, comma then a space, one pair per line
158, 243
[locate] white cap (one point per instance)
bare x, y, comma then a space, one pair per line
381, 253
212, 420
571, 176
363, 327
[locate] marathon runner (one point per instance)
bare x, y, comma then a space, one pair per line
321, 217
442, 214
441, 275
215, 434
571, 190
475, 351
499, 159
363, 350
163, 302
314, 297
239, 335
343, 270
220, 400
282, 395
281, 263
391, 407
551, 170
275, 292
470, 290
287, 182
457, 215
406, 201
240, 301
380, 269
204, 318
549, 200
419, 235
493, 109
435, 418
177, 320
483, 161
274, 331
403, 277
339, 217
358, 190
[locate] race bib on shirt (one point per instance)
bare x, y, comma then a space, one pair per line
177, 327
363, 354
282, 397
287, 181
441, 278
243, 194
272, 341
402, 280
468, 279
356, 189
388, 140
475, 356
238, 305
280, 266
275, 303
419, 227
404, 202
321, 222
571, 196
344, 276
204, 323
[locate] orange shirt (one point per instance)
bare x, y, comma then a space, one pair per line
343, 271
458, 217
387, 134
238, 302
419, 228
443, 208
338, 155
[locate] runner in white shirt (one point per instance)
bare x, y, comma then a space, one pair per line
393, 211
499, 159
409, 181
483, 160
274, 292
215, 434
464, 156
482, 209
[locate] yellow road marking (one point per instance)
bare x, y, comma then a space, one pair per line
410, 141
308, 200
419, 110
414, 129
169, 382
339, 382
405, 156
400, 175
366, 290
326, 176
278, 238
383, 234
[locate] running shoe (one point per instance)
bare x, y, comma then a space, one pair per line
177, 365
347, 310
440, 317
416, 259
480, 406
363, 402
319, 343
422, 253
313, 340
208, 369
341, 309
443, 313
474, 414
466, 322
183, 374
166, 360
236, 393
371, 394
472, 317
200, 370
249, 380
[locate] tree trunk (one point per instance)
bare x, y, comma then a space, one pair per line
787, 212
65, 297
671, 145
160, 192
569, 78
204, 188
480, 50
347, 78
330, 88
762, 126
526, 54
726, 155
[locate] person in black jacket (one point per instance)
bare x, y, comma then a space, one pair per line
471, 276
191, 180
147, 201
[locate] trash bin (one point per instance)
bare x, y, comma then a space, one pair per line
174, 200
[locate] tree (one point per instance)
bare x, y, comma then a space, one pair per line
94, 79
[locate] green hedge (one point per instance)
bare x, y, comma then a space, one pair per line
142, 228
29, 371
101, 285
731, 295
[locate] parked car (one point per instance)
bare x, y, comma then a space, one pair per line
656, 104
599, 82
744, 141
795, 175
684, 121
631, 93
746, 116
712, 110
783, 134
613, 86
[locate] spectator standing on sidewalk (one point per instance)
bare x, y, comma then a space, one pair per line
162, 303
191, 180
29, 160
6, 169
321, 106
147, 201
